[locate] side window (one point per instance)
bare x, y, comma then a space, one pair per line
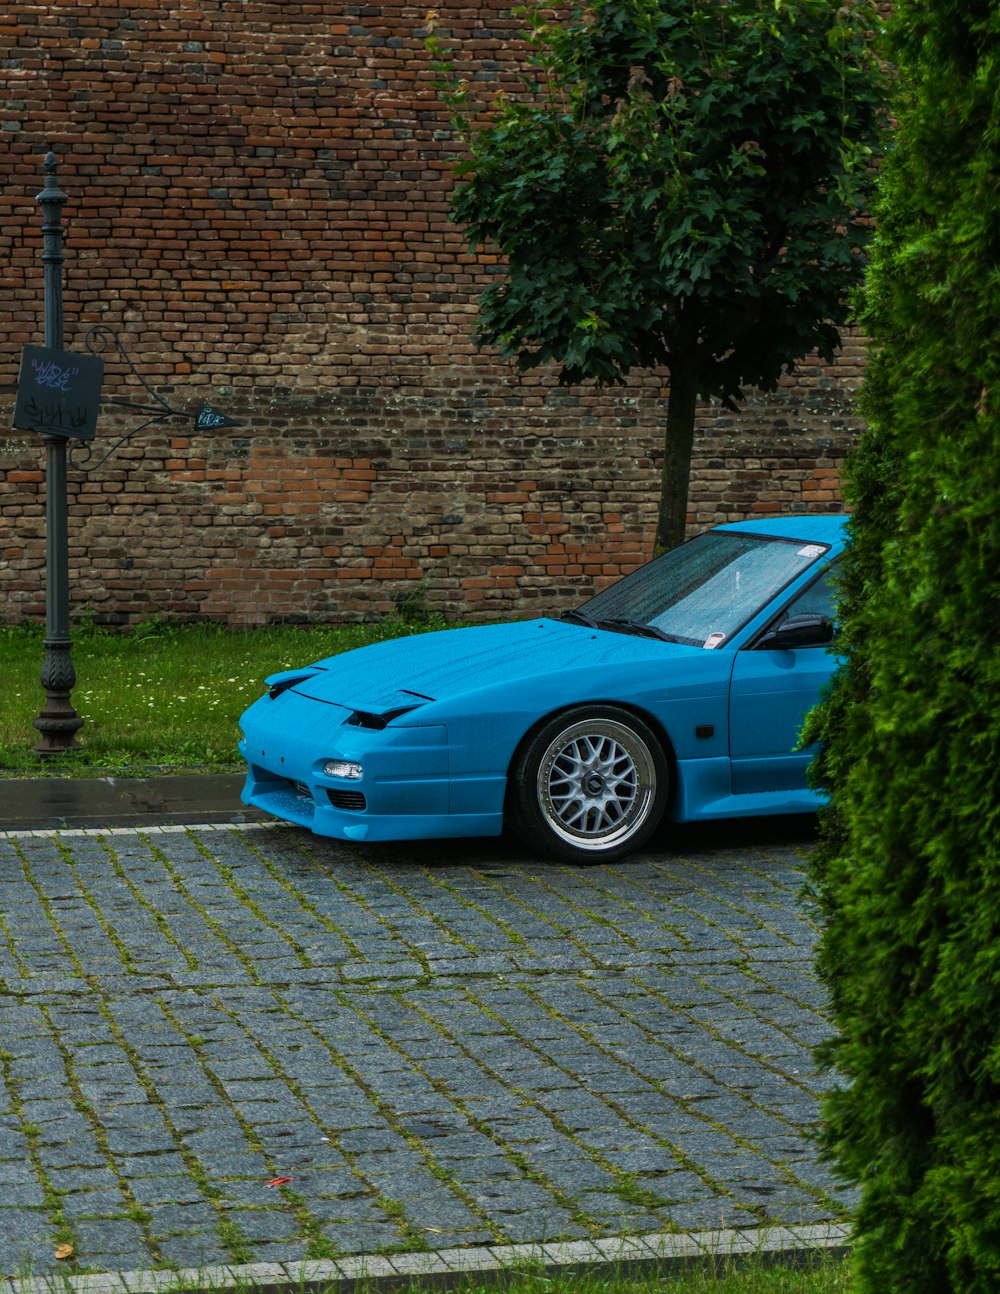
819, 599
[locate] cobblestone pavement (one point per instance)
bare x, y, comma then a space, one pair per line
246, 1044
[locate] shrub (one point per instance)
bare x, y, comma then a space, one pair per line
908, 876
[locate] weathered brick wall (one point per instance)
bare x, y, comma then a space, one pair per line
258, 206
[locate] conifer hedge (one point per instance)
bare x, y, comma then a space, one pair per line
908, 876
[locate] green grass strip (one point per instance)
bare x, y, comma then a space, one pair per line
161, 695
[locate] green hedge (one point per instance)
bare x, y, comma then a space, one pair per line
909, 876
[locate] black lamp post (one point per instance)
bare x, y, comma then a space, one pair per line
58, 394
58, 722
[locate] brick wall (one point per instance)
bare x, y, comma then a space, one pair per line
258, 207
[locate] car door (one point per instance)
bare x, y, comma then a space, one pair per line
772, 689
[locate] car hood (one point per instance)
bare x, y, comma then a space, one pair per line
408, 672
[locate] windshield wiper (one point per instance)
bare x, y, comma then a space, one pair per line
638, 627
619, 625
578, 618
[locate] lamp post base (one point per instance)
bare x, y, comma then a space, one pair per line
58, 722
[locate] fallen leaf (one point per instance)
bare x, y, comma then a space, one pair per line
278, 1181
64, 1251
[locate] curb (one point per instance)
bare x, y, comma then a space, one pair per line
493, 1265
220, 822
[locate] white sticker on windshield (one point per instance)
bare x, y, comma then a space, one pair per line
714, 640
811, 550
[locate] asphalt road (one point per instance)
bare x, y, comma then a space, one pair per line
243, 1044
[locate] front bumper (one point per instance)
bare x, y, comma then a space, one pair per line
405, 792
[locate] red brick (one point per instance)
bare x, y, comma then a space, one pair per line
264, 222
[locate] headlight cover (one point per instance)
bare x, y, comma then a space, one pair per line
343, 768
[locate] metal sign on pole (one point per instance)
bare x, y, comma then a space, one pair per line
58, 392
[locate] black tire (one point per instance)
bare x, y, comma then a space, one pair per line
589, 786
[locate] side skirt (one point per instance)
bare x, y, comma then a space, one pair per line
705, 792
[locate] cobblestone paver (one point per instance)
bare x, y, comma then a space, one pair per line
246, 1044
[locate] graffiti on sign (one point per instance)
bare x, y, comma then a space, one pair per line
58, 393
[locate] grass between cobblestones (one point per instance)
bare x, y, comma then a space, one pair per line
161, 695
297, 926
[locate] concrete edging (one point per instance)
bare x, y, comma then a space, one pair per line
154, 829
491, 1265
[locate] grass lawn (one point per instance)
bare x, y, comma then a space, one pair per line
160, 695
825, 1276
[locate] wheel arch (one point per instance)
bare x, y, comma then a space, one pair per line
651, 721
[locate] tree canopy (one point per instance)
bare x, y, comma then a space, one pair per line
680, 185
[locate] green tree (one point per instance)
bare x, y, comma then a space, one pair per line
909, 873
681, 184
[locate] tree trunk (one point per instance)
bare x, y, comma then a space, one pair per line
676, 474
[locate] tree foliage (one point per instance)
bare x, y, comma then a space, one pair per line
909, 874
681, 184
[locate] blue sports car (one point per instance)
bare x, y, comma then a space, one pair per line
680, 690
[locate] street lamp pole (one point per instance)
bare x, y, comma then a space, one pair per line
58, 722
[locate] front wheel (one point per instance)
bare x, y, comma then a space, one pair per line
589, 786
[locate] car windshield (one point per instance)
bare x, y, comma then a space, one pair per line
702, 592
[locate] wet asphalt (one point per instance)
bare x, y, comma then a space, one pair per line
50, 802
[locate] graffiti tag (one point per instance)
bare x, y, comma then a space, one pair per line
52, 375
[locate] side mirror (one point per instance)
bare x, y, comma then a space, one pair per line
799, 631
